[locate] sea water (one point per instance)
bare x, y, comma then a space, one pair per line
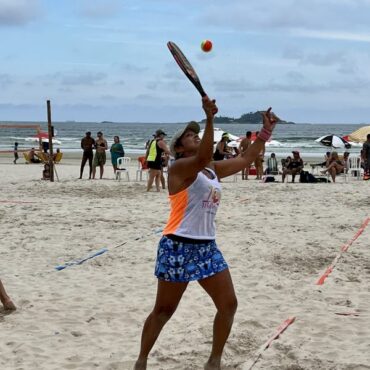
133, 136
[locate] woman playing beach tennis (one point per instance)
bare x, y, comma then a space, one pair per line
187, 250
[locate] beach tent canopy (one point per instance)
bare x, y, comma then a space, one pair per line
333, 141
359, 136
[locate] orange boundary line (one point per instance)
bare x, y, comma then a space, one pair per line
281, 328
344, 249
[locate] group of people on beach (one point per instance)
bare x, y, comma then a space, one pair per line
100, 145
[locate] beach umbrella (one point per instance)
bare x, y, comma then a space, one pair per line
333, 141
359, 136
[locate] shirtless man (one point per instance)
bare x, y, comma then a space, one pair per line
243, 146
5, 299
87, 145
100, 158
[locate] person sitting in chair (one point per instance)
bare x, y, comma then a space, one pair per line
294, 167
272, 165
33, 157
334, 166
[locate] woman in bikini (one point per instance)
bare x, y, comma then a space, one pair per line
334, 166
187, 250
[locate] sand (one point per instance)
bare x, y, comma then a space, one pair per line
277, 238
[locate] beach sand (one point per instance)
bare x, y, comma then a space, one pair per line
277, 238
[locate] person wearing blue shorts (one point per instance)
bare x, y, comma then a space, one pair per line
187, 250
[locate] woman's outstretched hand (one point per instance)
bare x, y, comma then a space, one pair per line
209, 106
269, 120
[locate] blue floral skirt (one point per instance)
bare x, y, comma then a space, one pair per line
183, 261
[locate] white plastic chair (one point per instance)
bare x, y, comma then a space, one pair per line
354, 166
122, 167
140, 170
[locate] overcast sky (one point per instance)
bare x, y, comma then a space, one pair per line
108, 60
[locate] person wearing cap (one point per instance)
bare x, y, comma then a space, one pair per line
294, 167
154, 159
222, 151
187, 250
100, 156
87, 145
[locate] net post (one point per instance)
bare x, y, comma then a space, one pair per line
50, 134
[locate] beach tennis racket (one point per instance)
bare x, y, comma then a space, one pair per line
186, 67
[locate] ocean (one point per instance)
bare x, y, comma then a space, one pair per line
134, 135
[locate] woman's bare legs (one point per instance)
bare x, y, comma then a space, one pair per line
220, 288
5, 299
168, 298
154, 175
334, 168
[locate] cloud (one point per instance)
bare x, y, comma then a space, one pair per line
98, 9
299, 18
5, 80
18, 12
75, 78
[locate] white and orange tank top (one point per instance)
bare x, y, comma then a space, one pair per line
193, 209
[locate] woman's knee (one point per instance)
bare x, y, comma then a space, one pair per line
164, 312
229, 306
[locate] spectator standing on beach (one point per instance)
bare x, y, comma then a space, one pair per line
366, 157
5, 299
187, 250
116, 151
16, 156
258, 163
154, 159
100, 157
244, 145
222, 151
87, 145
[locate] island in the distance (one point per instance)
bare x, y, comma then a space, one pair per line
249, 118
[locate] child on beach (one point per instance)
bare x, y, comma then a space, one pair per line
187, 250
5, 299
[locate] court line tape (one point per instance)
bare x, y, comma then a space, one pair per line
80, 261
249, 364
344, 249
282, 327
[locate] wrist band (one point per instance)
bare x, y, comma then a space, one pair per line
264, 134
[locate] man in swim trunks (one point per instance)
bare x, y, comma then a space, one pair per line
244, 144
87, 145
187, 250
100, 158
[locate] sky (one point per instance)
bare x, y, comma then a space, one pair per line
108, 60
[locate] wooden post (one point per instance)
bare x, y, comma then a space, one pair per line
50, 132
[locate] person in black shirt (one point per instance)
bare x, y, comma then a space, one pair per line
87, 145
294, 167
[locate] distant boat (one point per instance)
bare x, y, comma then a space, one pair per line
106, 122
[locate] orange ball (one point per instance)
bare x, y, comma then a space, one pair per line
206, 45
